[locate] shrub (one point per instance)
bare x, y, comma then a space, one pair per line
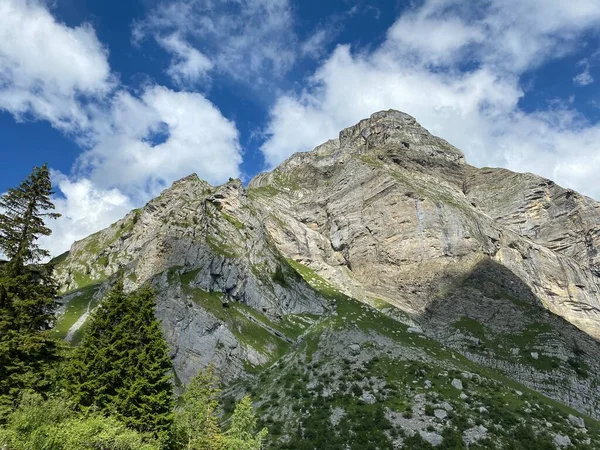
54, 424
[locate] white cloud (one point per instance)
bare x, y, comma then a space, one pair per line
188, 65
46, 66
478, 109
85, 209
511, 35
249, 40
143, 145
164, 135
585, 77
314, 46
521, 34
436, 39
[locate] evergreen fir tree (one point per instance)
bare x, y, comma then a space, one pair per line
23, 211
122, 365
29, 354
196, 420
242, 431
28, 291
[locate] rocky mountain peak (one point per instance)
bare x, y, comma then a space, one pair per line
389, 122
382, 243
389, 136
398, 130
192, 178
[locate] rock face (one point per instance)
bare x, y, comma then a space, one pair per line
202, 248
495, 265
392, 212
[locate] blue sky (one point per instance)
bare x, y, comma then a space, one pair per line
122, 98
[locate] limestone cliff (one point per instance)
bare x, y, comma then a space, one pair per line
384, 230
204, 249
390, 211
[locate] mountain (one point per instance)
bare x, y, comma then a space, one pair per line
378, 279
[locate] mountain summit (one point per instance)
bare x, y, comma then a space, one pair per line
376, 270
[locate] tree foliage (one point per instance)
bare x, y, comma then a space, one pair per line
23, 211
196, 419
242, 434
28, 292
54, 424
122, 366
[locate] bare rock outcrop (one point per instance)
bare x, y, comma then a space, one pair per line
496, 265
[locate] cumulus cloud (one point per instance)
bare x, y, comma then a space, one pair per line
584, 78
85, 209
149, 141
46, 66
188, 65
412, 33
477, 109
142, 145
249, 40
520, 35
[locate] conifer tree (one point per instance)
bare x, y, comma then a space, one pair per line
242, 431
28, 291
23, 211
196, 420
122, 365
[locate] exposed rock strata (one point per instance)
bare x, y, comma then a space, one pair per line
386, 214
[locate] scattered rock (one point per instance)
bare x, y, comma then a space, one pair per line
457, 384
354, 349
576, 421
440, 414
535, 355
368, 398
415, 330
428, 384
562, 441
463, 396
447, 406
474, 434
483, 410
337, 414
433, 438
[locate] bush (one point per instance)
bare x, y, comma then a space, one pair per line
53, 424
